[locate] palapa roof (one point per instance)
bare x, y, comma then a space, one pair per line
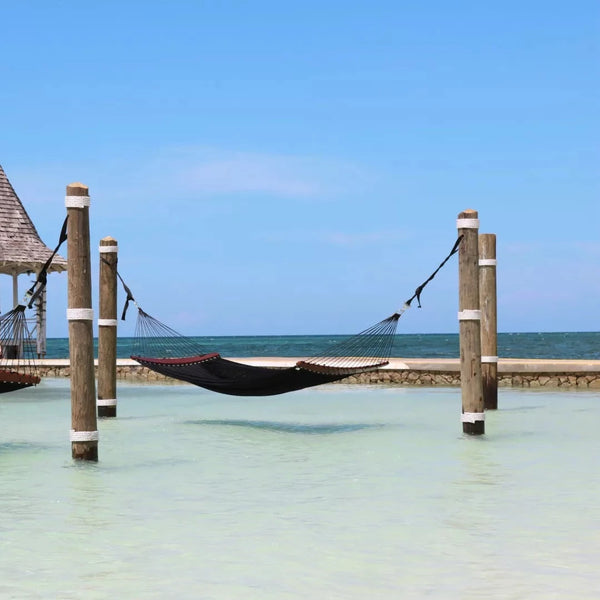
21, 248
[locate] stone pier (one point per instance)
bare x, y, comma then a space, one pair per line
512, 372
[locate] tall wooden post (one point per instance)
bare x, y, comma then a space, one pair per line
469, 317
489, 323
107, 329
84, 429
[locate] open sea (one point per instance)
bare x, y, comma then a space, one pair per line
573, 345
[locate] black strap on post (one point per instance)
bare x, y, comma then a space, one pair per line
419, 290
40, 283
130, 297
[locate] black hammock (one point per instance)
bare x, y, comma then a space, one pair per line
163, 350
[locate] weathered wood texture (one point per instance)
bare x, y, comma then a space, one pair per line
469, 329
489, 321
107, 334
81, 340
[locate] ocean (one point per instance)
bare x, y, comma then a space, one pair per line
568, 345
338, 492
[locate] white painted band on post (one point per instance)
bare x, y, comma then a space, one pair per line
77, 201
470, 417
80, 314
106, 249
106, 402
489, 359
467, 223
487, 262
469, 315
108, 322
83, 436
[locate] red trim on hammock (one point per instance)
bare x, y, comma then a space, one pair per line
185, 360
14, 377
326, 370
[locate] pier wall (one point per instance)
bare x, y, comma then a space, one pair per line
523, 373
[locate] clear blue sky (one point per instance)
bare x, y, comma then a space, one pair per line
298, 167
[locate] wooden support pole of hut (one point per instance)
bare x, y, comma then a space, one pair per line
107, 329
15, 289
40, 324
489, 322
469, 317
84, 428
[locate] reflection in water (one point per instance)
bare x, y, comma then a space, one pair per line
307, 428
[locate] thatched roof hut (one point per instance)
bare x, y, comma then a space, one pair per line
22, 250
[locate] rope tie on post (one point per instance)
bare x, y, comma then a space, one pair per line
77, 202
420, 289
472, 417
80, 314
489, 359
40, 283
130, 297
469, 315
83, 436
108, 249
107, 322
106, 402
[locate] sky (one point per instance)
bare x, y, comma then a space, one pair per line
298, 167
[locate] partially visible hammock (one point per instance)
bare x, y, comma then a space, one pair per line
17, 367
163, 350
18, 350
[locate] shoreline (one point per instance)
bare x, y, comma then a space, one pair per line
512, 372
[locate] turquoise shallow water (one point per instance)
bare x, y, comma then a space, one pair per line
339, 492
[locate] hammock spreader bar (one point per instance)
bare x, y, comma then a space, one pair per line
165, 351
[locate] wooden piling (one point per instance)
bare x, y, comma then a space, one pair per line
469, 317
107, 329
489, 326
84, 429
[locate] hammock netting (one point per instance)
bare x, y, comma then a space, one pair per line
163, 350
18, 349
17, 352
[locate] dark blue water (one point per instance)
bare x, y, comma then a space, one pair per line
437, 345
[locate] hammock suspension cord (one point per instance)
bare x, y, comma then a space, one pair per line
375, 342
40, 283
17, 351
366, 350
